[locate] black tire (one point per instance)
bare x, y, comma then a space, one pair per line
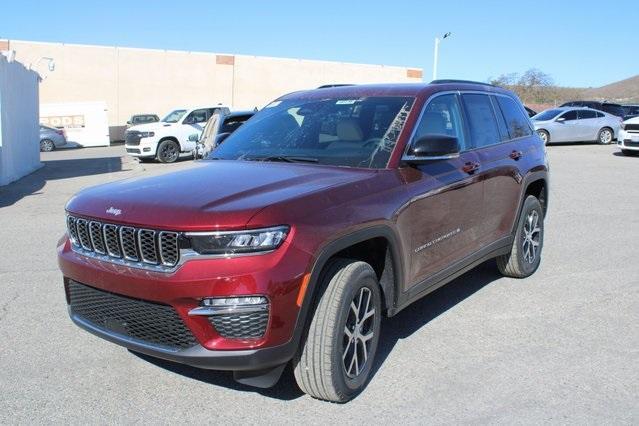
319, 365
605, 136
629, 153
544, 135
168, 151
46, 145
518, 263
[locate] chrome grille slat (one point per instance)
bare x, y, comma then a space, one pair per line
146, 244
141, 248
83, 234
97, 240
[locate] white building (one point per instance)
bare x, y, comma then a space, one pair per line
19, 114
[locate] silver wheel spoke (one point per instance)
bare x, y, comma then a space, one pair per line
368, 314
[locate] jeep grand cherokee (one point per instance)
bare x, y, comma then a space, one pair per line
328, 210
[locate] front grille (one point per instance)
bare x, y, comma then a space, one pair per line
148, 322
124, 242
240, 326
132, 150
631, 127
132, 137
630, 143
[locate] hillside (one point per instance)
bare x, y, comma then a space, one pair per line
621, 91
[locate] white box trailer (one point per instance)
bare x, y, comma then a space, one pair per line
85, 123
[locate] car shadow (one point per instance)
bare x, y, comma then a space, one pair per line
54, 170
401, 326
423, 311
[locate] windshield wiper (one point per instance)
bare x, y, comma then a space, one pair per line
284, 159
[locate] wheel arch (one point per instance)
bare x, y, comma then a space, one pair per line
535, 183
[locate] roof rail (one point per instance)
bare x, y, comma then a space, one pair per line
461, 81
326, 86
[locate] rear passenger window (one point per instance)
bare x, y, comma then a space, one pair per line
586, 114
443, 116
482, 123
517, 122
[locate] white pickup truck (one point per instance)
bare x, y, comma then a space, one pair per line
169, 137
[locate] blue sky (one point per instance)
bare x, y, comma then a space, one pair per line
579, 43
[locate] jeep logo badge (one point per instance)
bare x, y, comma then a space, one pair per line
114, 211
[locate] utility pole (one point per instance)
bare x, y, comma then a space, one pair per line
436, 54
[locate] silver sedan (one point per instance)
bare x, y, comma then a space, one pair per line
51, 138
576, 125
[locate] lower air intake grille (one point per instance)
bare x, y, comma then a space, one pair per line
148, 322
240, 326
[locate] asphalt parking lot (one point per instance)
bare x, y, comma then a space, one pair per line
561, 346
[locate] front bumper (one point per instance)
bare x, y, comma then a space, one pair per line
183, 289
628, 140
144, 147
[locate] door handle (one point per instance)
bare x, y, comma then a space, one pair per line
516, 155
471, 167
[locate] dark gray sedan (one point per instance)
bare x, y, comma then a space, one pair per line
51, 138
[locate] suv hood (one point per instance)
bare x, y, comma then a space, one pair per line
149, 127
211, 195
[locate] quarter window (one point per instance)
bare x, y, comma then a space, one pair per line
483, 126
442, 116
517, 122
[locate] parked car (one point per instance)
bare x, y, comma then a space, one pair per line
51, 138
166, 139
326, 211
630, 111
610, 108
218, 128
628, 140
531, 112
142, 119
569, 124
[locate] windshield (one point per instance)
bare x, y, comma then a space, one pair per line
547, 115
174, 116
353, 132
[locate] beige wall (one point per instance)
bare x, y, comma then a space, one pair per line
134, 81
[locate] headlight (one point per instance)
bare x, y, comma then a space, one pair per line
237, 242
147, 134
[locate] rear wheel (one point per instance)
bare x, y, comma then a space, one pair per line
605, 136
46, 145
525, 253
544, 136
335, 361
168, 151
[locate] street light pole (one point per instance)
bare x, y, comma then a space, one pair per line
436, 53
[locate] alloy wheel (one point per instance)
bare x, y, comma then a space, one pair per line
605, 136
169, 152
532, 235
46, 145
358, 333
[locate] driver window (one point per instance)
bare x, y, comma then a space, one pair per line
442, 116
570, 115
197, 116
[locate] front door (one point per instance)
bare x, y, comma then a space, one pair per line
441, 219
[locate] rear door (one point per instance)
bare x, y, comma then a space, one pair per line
501, 168
440, 221
588, 124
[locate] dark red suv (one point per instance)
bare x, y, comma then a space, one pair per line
328, 210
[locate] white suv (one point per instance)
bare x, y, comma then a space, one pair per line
628, 139
169, 137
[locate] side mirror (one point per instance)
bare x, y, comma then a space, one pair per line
432, 147
560, 119
221, 137
194, 137
128, 122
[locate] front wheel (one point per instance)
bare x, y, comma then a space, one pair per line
605, 136
335, 361
525, 253
168, 151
